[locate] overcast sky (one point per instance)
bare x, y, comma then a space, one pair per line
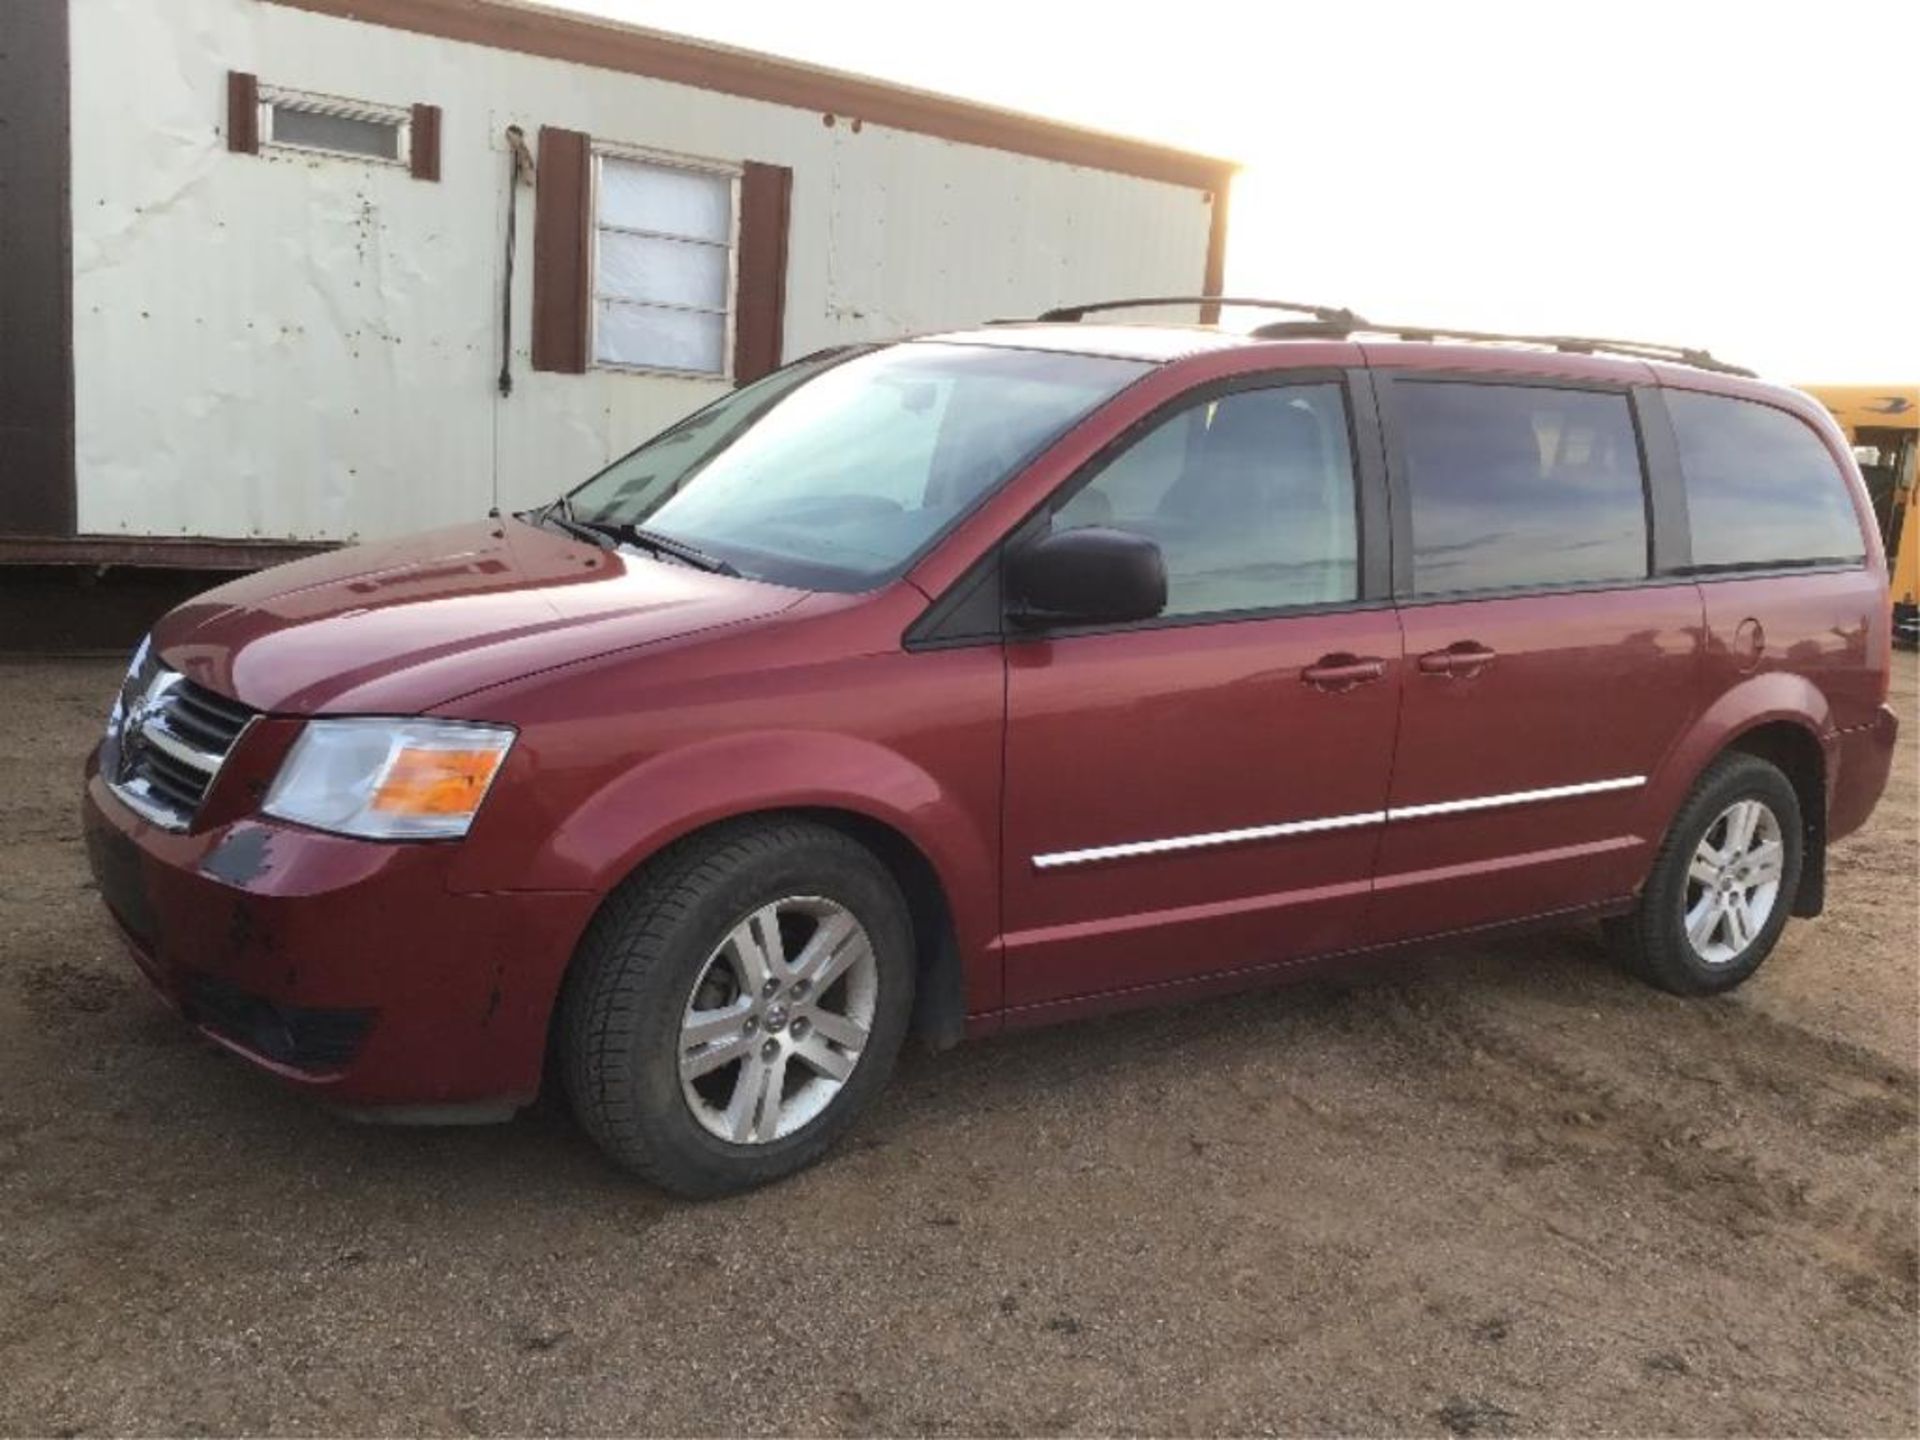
1744, 177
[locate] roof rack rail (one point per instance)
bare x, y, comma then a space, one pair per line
1337, 322
1325, 314
1567, 344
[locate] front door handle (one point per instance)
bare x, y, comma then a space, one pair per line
1342, 672
1465, 658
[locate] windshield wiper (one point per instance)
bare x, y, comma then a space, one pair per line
559, 512
665, 545
606, 533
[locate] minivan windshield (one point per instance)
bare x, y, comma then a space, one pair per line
834, 473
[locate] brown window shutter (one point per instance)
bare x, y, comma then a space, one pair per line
760, 301
425, 143
562, 228
243, 113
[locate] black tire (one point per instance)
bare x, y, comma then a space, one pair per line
635, 972
1653, 942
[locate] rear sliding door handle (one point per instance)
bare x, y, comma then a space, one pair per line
1463, 658
1343, 672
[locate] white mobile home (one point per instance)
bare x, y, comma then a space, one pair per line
281, 273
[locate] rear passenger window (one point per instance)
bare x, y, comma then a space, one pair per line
1250, 498
1520, 485
1761, 487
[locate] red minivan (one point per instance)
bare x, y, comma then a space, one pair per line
994, 678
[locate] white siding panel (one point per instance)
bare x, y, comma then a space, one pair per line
926, 233
306, 348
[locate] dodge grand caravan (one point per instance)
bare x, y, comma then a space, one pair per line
993, 678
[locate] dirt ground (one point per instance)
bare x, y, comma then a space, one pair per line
1503, 1191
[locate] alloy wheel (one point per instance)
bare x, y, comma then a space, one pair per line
778, 1019
1733, 881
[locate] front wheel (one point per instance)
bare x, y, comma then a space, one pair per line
737, 1004
1723, 884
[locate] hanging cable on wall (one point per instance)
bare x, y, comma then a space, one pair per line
519, 172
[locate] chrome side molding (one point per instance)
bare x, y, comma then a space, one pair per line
1061, 859
1201, 842
1517, 797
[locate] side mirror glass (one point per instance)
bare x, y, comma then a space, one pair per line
1091, 576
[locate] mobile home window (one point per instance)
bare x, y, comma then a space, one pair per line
328, 125
663, 265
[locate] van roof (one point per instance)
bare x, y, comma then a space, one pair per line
1320, 322
1120, 341
1164, 343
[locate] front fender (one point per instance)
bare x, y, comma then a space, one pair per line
674, 793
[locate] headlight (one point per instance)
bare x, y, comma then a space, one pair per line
388, 779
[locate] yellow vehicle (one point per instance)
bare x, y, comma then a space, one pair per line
1883, 424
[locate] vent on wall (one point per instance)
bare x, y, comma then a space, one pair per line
293, 120
273, 117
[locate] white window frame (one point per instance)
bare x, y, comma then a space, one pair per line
666, 161
313, 103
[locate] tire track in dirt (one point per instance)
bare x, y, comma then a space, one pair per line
1748, 1168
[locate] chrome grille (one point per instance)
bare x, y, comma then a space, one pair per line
166, 740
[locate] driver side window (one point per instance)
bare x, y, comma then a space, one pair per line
1250, 497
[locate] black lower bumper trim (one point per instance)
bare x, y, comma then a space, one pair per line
318, 1040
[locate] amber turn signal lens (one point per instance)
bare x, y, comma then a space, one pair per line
436, 782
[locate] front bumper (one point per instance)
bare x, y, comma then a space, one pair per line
347, 968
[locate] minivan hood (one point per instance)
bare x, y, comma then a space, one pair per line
399, 626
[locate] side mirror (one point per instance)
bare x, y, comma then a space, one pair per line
1091, 576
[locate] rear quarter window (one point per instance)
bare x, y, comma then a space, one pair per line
1762, 489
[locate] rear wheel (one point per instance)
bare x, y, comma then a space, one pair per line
1722, 886
737, 1004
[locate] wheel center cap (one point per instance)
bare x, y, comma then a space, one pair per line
776, 1019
